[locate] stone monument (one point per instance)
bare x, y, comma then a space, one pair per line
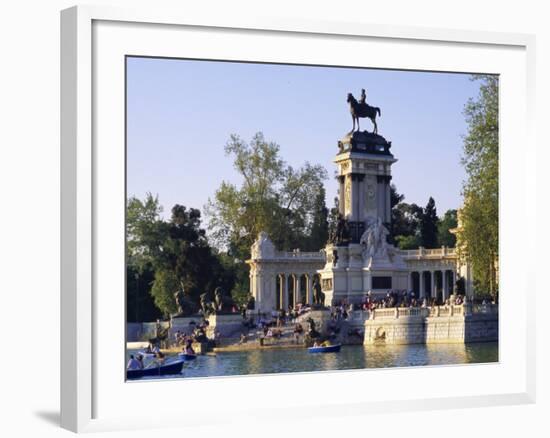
359, 258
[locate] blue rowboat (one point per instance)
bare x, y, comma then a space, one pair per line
327, 349
145, 354
187, 357
162, 370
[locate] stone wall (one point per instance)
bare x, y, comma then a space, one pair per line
142, 331
420, 328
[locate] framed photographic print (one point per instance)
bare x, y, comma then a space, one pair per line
255, 206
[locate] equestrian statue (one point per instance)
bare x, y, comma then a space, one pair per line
360, 109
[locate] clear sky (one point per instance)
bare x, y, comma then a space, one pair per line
180, 114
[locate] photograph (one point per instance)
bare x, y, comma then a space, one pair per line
285, 218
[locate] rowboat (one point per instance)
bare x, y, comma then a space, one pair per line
327, 349
146, 354
187, 357
162, 370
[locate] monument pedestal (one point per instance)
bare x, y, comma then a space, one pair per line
355, 270
229, 325
360, 261
184, 324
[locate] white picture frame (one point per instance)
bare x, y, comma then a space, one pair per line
93, 392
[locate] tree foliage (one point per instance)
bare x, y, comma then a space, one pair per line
446, 223
405, 221
274, 197
171, 254
286, 202
428, 225
479, 215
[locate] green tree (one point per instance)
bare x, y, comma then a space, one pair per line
428, 225
319, 224
142, 231
408, 242
406, 218
140, 305
186, 259
448, 222
143, 245
163, 255
273, 197
479, 215
164, 286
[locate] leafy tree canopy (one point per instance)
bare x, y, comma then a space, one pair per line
274, 197
478, 239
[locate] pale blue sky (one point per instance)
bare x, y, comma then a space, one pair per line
180, 114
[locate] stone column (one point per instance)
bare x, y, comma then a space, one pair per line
309, 297
453, 281
362, 195
285, 291
433, 284
297, 291
387, 212
280, 291
341, 194
445, 285
421, 285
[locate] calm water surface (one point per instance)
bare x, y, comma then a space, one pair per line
350, 357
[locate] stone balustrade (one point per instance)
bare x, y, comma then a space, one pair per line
296, 254
444, 324
423, 253
433, 311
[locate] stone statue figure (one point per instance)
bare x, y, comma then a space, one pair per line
374, 239
361, 110
251, 303
318, 294
341, 234
206, 304
223, 300
263, 247
363, 98
184, 304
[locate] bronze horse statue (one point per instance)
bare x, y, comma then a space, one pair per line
362, 110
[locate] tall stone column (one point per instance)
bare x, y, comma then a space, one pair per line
387, 212
421, 285
309, 297
445, 284
341, 194
280, 291
433, 284
285, 291
297, 291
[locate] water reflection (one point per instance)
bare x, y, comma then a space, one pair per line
350, 357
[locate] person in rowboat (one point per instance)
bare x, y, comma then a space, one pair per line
140, 360
133, 363
189, 349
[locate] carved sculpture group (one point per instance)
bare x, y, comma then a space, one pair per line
222, 303
340, 235
374, 239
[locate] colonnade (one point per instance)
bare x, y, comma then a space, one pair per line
433, 283
294, 288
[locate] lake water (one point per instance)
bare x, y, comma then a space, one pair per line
350, 357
